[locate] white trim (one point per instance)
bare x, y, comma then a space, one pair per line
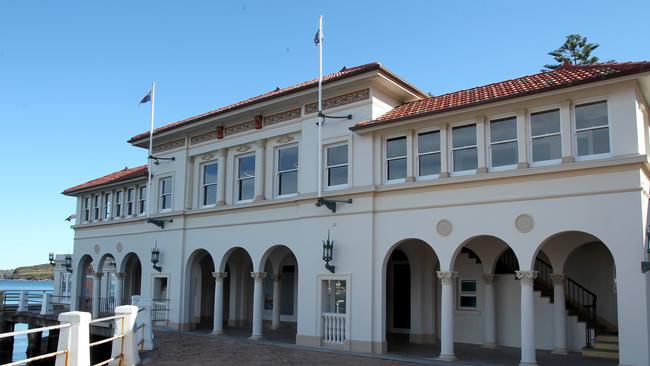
417, 154
530, 138
277, 172
202, 184
326, 166
132, 202
236, 192
574, 131
489, 143
162, 194
474, 294
385, 159
451, 149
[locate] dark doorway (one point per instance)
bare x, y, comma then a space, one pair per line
399, 300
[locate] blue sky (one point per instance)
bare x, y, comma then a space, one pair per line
72, 73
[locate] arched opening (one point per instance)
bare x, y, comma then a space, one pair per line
107, 269
201, 290
280, 294
412, 296
237, 306
132, 272
85, 272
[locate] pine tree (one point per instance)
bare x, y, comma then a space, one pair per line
576, 51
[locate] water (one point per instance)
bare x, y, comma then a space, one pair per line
20, 342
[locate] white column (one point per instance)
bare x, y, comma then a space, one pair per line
481, 147
522, 140
527, 278
217, 328
260, 168
75, 339
97, 286
566, 131
119, 288
489, 313
258, 296
221, 176
559, 314
447, 316
444, 152
277, 282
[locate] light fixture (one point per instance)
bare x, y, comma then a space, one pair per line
328, 248
68, 263
51, 258
155, 257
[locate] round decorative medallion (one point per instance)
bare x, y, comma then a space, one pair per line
119, 247
524, 223
444, 227
97, 248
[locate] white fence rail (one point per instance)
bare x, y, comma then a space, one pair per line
333, 328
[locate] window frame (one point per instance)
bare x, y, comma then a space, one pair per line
327, 167
203, 185
130, 203
277, 172
489, 143
237, 187
118, 204
530, 138
386, 159
142, 200
416, 150
462, 294
86, 209
574, 130
97, 198
162, 194
451, 148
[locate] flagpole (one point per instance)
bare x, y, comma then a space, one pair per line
321, 120
153, 99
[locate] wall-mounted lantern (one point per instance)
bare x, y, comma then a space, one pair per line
155, 257
51, 258
328, 248
68, 263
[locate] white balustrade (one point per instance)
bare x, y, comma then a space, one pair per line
333, 328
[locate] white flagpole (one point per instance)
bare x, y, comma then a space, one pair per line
321, 120
153, 99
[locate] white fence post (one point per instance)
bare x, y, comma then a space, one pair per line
144, 317
23, 303
127, 346
75, 339
46, 306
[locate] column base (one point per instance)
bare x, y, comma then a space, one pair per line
255, 337
217, 332
447, 358
560, 351
527, 363
489, 345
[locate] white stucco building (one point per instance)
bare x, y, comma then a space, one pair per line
512, 214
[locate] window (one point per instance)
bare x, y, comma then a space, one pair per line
592, 128
86, 208
107, 206
428, 153
118, 204
245, 178
336, 166
287, 171
334, 296
468, 294
96, 208
503, 142
546, 144
165, 193
130, 201
209, 184
464, 149
396, 158
142, 203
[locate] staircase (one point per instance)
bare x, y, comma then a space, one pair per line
605, 346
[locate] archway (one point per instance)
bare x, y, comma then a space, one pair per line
85, 278
107, 281
132, 277
200, 267
237, 306
411, 295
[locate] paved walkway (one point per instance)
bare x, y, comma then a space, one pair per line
195, 348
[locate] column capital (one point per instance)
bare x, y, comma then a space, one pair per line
446, 276
488, 278
526, 277
219, 276
558, 278
98, 275
258, 275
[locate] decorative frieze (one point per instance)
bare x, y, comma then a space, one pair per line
281, 117
339, 100
240, 127
207, 136
169, 145
243, 148
284, 139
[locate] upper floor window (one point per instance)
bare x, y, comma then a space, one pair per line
118, 204
503, 142
165, 193
546, 140
336, 171
246, 178
130, 201
464, 149
96, 207
209, 184
107, 206
592, 128
287, 171
428, 153
396, 158
86, 217
142, 202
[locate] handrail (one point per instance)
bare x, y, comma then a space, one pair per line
111, 339
113, 317
34, 330
40, 357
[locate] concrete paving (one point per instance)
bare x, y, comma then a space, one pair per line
234, 348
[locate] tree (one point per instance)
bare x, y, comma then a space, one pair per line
576, 51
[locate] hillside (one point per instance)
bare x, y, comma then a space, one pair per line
37, 272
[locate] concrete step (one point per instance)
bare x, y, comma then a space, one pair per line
605, 345
600, 353
612, 338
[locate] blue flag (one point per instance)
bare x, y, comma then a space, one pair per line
147, 98
317, 38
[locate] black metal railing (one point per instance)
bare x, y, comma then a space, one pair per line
106, 306
159, 311
507, 263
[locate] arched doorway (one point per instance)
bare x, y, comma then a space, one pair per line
107, 282
200, 267
132, 277
85, 278
411, 295
237, 307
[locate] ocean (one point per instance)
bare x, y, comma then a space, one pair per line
20, 342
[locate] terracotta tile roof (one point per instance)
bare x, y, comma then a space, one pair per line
341, 74
563, 77
119, 176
